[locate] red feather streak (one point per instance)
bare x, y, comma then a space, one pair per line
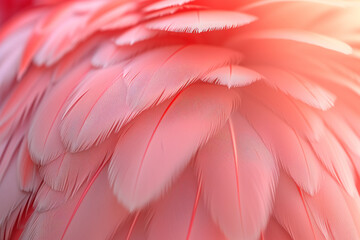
233, 140
152, 136
132, 226
194, 210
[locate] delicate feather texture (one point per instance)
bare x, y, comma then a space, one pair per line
149, 81
300, 117
135, 227
27, 170
233, 76
338, 3
338, 220
95, 100
179, 119
297, 87
171, 134
344, 132
303, 37
165, 4
292, 211
296, 155
81, 216
275, 231
181, 214
11, 52
70, 170
22, 100
200, 21
12, 203
242, 155
336, 160
134, 35
44, 138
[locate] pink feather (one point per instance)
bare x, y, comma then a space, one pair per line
226, 162
200, 21
181, 214
293, 152
148, 76
93, 213
96, 109
44, 136
142, 168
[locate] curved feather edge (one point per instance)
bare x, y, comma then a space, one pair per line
297, 158
165, 4
75, 218
301, 36
200, 21
140, 174
239, 175
181, 213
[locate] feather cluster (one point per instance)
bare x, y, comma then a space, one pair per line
181, 119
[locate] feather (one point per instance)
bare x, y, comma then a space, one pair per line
96, 109
336, 3
125, 21
12, 226
20, 22
181, 214
158, 74
48, 199
165, 4
335, 159
70, 170
78, 130
343, 131
75, 218
9, 149
57, 34
28, 175
310, 38
292, 211
330, 207
11, 50
275, 231
62, 37
134, 228
38, 38
134, 35
14, 199
44, 135
232, 76
108, 12
200, 21
22, 100
297, 86
171, 10
80, 54
226, 164
20, 217
300, 117
109, 53
297, 158
171, 133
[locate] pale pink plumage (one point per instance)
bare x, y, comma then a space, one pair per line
180, 119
